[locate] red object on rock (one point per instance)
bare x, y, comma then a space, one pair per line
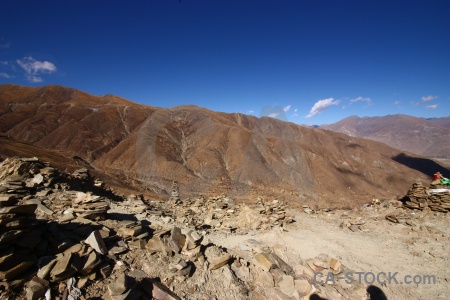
437, 175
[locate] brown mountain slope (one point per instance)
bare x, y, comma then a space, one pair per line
67, 119
444, 121
208, 152
429, 138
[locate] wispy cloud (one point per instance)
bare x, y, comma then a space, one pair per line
34, 68
429, 98
361, 99
251, 112
273, 115
433, 106
5, 69
397, 102
287, 108
425, 99
321, 105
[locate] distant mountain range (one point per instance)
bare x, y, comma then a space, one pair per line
206, 152
425, 137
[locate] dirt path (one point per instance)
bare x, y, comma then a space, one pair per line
381, 246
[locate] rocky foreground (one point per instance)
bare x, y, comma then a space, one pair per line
65, 236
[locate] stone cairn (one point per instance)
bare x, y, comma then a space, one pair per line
420, 197
175, 194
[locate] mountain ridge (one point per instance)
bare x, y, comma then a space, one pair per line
208, 152
425, 137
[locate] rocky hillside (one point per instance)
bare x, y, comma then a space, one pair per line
207, 152
68, 236
425, 137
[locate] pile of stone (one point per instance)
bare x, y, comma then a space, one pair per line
86, 205
420, 197
135, 204
221, 213
60, 256
17, 236
82, 174
439, 201
175, 194
401, 218
353, 224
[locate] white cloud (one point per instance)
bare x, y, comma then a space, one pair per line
4, 75
295, 110
287, 108
361, 99
429, 98
273, 115
434, 106
321, 105
396, 102
251, 112
34, 68
295, 115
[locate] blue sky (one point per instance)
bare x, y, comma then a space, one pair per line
310, 62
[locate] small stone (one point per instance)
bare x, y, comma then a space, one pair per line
265, 278
63, 268
316, 264
332, 293
36, 288
92, 261
176, 240
343, 283
117, 250
219, 262
265, 261
131, 230
192, 253
118, 286
160, 292
137, 274
105, 270
137, 244
277, 275
302, 287
37, 179
96, 242
354, 228
26, 209
335, 264
256, 246
45, 269
41, 207
287, 285
282, 264
154, 244
302, 271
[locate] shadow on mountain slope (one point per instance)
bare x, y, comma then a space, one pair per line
424, 165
